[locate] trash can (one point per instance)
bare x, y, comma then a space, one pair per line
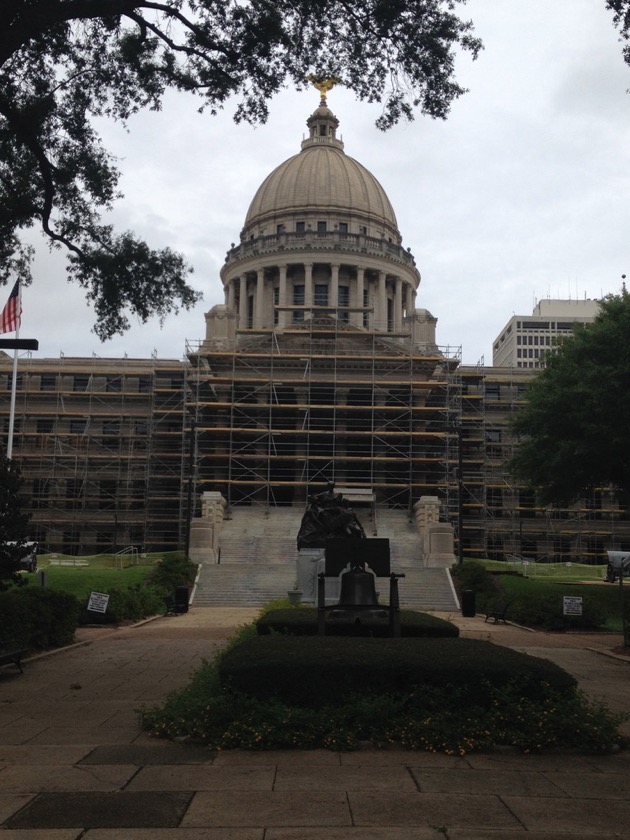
468, 603
181, 599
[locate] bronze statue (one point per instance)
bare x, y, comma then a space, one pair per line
328, 516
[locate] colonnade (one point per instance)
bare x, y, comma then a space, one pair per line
269, 297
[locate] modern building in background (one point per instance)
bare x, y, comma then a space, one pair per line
319, 367
524, 340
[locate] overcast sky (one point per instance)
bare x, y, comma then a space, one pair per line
521, 194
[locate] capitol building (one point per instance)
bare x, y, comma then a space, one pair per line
321, 366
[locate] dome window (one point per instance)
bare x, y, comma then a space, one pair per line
300, 227
321, 294
343, 228
321, 227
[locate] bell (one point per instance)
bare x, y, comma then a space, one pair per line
357, 590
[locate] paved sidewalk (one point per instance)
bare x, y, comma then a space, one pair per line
74, 764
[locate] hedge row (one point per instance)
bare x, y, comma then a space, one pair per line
38, 618
320, 671
303, 622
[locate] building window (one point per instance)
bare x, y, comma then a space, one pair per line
300, 228
113, 384
321, 228
343, 228
279, 228
320, 297
19, 382
78, 426
144, 384
80, 382
48, 382
298, 300
276, 302
111, 427
45, 425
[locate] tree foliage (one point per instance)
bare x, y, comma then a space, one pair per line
574, 425
621, 19
66, 63
13, 523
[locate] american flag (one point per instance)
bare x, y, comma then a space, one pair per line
11, 314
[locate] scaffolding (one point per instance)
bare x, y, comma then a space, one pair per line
283, 412
99, 442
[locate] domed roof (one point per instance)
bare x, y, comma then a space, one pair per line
322, 181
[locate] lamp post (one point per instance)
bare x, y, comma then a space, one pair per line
15, 344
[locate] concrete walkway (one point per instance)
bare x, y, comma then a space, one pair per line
74, 763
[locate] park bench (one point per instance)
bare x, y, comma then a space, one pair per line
497, 613
11, 653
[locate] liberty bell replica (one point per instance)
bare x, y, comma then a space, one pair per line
358, 586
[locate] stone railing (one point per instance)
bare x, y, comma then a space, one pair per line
332, 241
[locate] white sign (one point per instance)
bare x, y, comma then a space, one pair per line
98, 602
572, 605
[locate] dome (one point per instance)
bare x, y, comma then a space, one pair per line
321, 182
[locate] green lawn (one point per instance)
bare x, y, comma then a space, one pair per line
81, 581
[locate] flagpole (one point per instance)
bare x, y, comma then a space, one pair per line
14, 383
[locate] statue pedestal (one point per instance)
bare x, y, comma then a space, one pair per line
310, 562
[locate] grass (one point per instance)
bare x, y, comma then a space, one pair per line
80, 581
556, 571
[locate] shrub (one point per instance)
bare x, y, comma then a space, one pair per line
319, 671
131, 604
303, 622
474, 576
172, 571
39, 618
433, 718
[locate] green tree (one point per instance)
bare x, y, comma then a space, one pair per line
13, 523
573, 427
65, 63
621, 20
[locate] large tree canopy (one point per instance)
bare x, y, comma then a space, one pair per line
64, 63
574, 425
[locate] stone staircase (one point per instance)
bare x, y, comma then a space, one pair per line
258, 561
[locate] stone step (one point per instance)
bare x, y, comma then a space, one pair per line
236, 584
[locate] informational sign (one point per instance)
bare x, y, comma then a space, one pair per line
572, 605
98, 602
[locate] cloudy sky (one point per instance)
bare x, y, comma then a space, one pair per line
521, 194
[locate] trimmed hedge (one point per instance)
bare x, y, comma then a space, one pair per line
318, 671
303, 622
38, 618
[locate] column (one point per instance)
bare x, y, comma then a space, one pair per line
230, 294
333, 297
242, 303
282, 296
308, 286
356, 297
398, 304
381, 303
259, 303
